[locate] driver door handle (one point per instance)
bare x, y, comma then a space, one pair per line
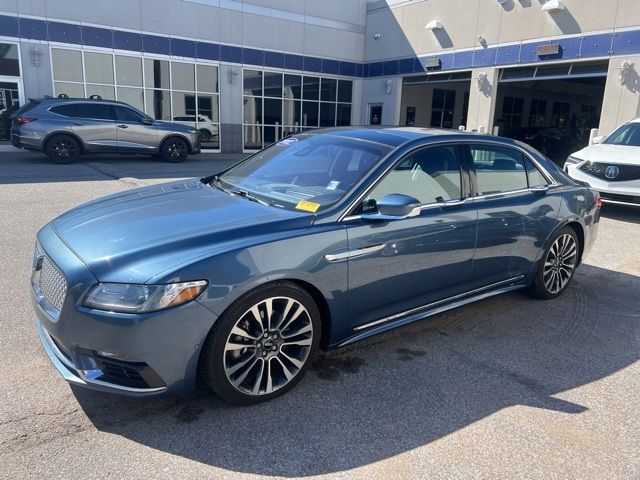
123, 126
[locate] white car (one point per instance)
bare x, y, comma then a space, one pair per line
207, 128
611, 165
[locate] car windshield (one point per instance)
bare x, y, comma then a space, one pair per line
305, 173
626, 135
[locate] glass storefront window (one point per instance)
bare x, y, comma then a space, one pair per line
345, 91
272, 111
311, 88
278, 104
156, 73
293, 86
98, 67
158, 104
291, 112
105, 91
132, 96
9, 63
252, 83
183, 76
272, 85
72, 90
183, 92
252, 110
310, 114
67, 65
129, 71
207, 79
327, 114
328, 88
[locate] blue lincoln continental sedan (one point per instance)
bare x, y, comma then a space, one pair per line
321, 240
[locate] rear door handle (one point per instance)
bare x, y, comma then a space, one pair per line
123, 126
77, 124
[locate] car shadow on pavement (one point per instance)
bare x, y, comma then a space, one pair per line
403, 389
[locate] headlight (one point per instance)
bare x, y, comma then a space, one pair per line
572, 160
127, 298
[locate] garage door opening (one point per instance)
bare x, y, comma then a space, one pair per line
551, 107
435, 100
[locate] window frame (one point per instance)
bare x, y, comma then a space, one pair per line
526, 156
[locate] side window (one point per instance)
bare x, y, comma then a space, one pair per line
536, 179
430, 175
498, 169
127, 115
94, 111
65, 110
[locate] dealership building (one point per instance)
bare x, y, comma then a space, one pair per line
248, 72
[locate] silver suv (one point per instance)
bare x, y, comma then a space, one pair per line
65, 128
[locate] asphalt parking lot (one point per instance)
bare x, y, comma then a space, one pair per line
508, 387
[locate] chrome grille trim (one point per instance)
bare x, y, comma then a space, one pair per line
53, 285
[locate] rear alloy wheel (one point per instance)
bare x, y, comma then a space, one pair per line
175, 150
558, 265
63, 149
263, 346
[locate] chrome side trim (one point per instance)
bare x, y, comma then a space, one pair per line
439, 302
359, 252
85, 378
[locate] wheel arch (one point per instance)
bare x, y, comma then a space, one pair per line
175, 135
76, 137
579, 229
316, 294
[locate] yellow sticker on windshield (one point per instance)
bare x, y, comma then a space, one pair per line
308, 206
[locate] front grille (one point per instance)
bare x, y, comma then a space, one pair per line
624, 173
53, 285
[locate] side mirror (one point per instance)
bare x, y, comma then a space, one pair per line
394, 207
147, 121
597, 140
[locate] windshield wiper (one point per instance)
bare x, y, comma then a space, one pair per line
248, 196
217, 183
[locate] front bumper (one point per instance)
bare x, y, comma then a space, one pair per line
89, 378
131, 354
621, 193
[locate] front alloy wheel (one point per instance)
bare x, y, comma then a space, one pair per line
268, 346
558, 265
263, 345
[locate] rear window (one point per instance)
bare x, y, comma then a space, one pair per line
25, 108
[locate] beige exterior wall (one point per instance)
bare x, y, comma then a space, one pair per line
621, 102
402, 33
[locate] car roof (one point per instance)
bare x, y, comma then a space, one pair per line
397, 136
55, 100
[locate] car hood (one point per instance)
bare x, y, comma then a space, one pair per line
138, 234
607, 153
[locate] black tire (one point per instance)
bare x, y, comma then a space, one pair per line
215, 359
63, 149
562, 265
175, 150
